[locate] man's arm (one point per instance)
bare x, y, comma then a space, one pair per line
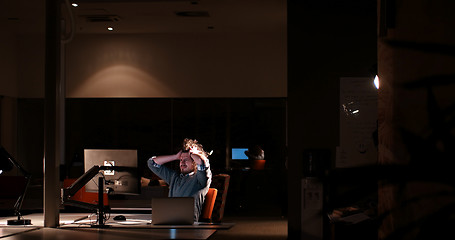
155, 162
167, 158
204, 174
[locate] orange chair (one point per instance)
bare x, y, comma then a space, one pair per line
209, 202
83, 196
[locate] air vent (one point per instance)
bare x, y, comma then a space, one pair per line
101, 18
192, 14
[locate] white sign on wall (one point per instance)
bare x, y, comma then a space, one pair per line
358, 123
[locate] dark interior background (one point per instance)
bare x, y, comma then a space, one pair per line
156, 126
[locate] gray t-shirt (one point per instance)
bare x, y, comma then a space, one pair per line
195, 184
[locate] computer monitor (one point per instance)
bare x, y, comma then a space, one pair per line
239, 154
125, 181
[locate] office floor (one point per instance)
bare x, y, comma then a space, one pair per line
245, 228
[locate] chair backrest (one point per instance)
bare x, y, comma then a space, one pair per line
209, 202
221, 183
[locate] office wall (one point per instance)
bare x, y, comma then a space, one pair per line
8, 91
177, 65
30, 65
8, 63
22, 65
8, 124
152, 65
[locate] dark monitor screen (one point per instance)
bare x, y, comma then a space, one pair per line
239, 154
118, 182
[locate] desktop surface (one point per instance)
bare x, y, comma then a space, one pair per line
86, 220
78, 226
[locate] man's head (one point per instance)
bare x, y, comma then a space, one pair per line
187, 164
190, 144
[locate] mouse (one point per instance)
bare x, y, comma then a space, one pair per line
120, 218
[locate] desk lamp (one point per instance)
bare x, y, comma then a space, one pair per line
7, 163
70, 191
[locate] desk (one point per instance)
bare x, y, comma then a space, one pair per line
133, 221
137, 228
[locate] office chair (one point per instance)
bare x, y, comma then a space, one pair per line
221, 183
209, 203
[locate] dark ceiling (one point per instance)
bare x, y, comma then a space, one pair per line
151, 16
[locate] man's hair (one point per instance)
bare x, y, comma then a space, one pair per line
189, 143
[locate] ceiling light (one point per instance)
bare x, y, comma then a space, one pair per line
110, 28
74, 4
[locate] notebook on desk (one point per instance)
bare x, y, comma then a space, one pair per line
173, 211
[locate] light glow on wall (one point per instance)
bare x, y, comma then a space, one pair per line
178, 67
121, 81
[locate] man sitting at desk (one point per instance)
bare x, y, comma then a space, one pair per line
194, 177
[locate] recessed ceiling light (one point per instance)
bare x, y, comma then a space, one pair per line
74, 4
110, 28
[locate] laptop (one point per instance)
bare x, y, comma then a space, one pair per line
173, 211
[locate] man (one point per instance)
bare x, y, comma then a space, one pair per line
194, 177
